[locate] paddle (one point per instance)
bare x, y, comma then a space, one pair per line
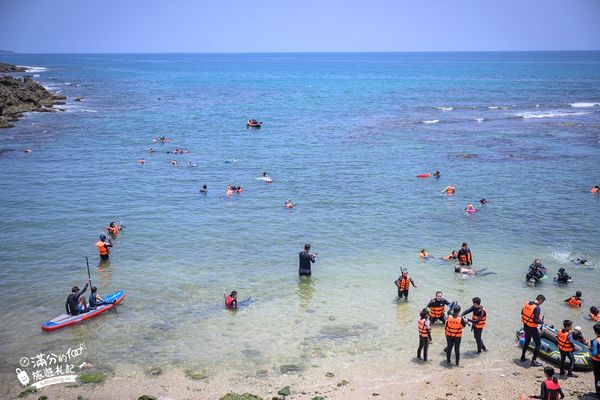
88, 269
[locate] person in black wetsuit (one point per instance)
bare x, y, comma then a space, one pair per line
562, 276
306, 258
437, 307
72, 304
453, 331
479, 319
530, 316
465, 257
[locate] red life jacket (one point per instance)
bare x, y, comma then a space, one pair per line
229, 302
553, 389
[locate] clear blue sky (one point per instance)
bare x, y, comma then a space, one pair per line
92, 26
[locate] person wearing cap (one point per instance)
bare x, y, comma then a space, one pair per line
104, 245
562, 276
578, 335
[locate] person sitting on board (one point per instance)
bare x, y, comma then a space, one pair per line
72, 304
231, 301
83, 307
95, 299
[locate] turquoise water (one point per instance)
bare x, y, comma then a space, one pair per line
343, 137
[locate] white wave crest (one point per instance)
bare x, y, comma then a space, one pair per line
33, 69
550, 114
36, 75
431, 121
479, 119
584, 105
90, 111
445, 108
494, 107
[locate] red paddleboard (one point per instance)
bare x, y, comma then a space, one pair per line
423, 175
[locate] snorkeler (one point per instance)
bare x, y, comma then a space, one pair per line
471, 272
594, 314
403, 284
436, 174
424, 326
113, 230
289, 204
478, 320
483, 201
464, 255
596, 189
204, 189
453, 332
265, 177
580, 261
424, 254
104, 245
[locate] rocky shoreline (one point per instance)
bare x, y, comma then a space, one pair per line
21, 95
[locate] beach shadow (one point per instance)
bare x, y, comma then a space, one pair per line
587, 396
522, 364
305, 291
415, 360
444, 364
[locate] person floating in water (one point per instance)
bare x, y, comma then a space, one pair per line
550, 388
265, 177
596, 189
424, 326
453, 332
306, 259
192, 164
562, 276
594, 314
403, 284
289, 204
580, 261
437, 307
436, 174
451, 256
470, 209
530, 317
465, 257
104, 245
575, 301
204, 189
471, 272
113, 229
73, 300
449, 190
483, 201
478, 320
424, 254
231, 300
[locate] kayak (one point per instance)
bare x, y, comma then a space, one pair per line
423, 175
549, 349
65, 319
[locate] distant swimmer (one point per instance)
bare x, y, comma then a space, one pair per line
252, 123
192, 164
424, 326
403, 284
437, 307
530, 317
113, 229
306, 259
154, 140
231, 300
464, 255
231, 189
424, 254
173, 162
596, 189
151, 150
471, 272
28, 151
204, 189
580, 261
449, 190
453, 331
164, 139
575, 301
289, 204
141, 161
594, 314
104, 245
436, 174
469, 209
478, 320
562, 276
483, 201
265, 177
451, 256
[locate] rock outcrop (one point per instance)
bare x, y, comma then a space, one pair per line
11, 68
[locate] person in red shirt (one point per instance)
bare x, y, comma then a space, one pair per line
231, 301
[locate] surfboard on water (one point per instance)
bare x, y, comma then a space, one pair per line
65, 319
423, 176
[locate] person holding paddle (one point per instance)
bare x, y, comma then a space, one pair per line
72, 304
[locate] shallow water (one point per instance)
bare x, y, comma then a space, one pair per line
343, 136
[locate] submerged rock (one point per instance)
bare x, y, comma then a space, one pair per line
290, 368
284, 391
93, 377
245, 396
196, 375
147, 397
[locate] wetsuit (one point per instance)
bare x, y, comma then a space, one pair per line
595, 351
550, 390
563, 277
403, 283
453, 332
306, 258
465, 257
478, 321
566, 346
93, 301
531, 330
437, 310
424, 337
72, 304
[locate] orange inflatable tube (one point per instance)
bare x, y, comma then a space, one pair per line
424, 176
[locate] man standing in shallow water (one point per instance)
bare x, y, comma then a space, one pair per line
306, 258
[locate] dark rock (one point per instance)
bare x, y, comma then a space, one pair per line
42, 397
78, 99
147, 397
245, 396
18, 96
27, 392
290, 368
10, 68
284, 391
318, 398
329, 374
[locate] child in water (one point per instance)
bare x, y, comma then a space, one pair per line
231, 301
594, 314
550, 388
575, 301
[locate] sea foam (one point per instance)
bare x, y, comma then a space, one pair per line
33, 69
431, 121
550, 114
584, 105
445, 108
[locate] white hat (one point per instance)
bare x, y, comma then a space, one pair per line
577, 328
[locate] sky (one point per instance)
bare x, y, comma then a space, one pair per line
199, 26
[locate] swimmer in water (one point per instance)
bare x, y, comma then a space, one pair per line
151, 150
596, 189
289, 204
204, 189
580, 261
424, 254
231, 300
192, 164
141, 161
471, 272
452, 256
173, 162
436, 174
265, 177
562, 276
483, 201
449, 190
470, 209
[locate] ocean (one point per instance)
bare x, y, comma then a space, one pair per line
343, 136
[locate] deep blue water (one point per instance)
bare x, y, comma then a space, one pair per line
343, 136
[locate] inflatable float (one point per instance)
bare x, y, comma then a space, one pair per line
424, 176
252, 123
549, 349
63, 320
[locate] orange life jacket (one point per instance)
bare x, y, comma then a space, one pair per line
450, 190
574, 302
563, 341
595, 318
404, 283
480, 323
436, 311
422, 328
595, 358
114, 230
102, 247
454, 326
527, 317
595, 190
